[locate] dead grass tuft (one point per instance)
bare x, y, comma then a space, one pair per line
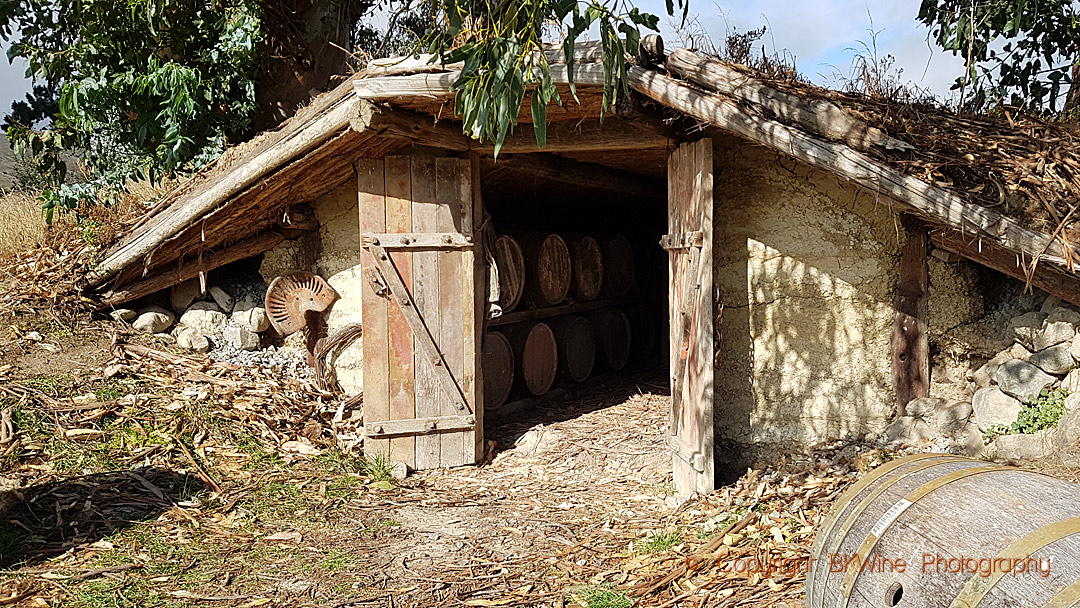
22, 225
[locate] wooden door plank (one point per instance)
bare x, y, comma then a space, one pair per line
426, 294
910, 342
474, 309
401, 367
691, 308
371, 188
451, 337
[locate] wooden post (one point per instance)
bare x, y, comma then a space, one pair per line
910, 343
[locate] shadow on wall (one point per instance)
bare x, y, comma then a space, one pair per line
50, 518
806, 272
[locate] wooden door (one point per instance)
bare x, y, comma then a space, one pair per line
421, 342
690, 296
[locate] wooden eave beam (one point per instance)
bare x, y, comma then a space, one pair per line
585, 136
1053, 280
295, 141
253, 246
589, 175
905, 193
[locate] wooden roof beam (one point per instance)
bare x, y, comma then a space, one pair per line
1051, 279
585, 136
588, 175
905, 193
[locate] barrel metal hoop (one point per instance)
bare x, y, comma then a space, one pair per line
978, 586
1066, 597
861, 485
894, 512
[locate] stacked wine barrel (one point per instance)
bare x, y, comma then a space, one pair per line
538, 271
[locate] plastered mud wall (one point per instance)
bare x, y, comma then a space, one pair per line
806, 268
337, 259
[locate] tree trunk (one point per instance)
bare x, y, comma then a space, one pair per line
307, 44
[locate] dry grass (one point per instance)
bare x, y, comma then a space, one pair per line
22, 225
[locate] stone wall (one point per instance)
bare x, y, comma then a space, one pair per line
334, 255
805, 277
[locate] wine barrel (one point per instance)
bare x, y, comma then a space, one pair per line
587, 265
547, 268
536, 356
498, 362
618, 266
644, 262
577, 346
612, 337
510, 261
939, 531
642, 332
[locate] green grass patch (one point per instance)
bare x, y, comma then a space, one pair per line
600, 597
1042, 412
336, 561
658, 543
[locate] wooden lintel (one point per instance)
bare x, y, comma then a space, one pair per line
420, 426
584, 174
416, 240
586, 136
244, 249
1050, 278
910, 341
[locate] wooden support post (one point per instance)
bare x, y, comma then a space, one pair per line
910, 343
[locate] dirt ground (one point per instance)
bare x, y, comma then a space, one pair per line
142, 477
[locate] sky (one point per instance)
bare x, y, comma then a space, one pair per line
821, 34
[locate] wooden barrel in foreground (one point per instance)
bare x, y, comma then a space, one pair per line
642, 332
510, 261
940, 531
612, 337
536, 356
577, 346
547, 268
587, 264
498, 365
618, 266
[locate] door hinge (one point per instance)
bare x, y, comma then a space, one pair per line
695, 459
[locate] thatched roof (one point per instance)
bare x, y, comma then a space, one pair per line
999, 191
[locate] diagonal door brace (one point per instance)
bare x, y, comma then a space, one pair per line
386, 270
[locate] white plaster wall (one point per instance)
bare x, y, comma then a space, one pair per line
806, 271
339, 263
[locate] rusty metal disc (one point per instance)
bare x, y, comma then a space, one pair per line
291, 296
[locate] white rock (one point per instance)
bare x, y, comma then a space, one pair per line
224, 301
153, 320
1021, 379
1068, 428
253, 319
205, 318
240, 338
1075, 350
1060, 326
1072, 402
1054, 360
1049, 304
973, 440
908, 430
1071, 383
181, 296
925, 407
983, 376
1023, 328
952, 419
1023, 446
192, 340
993, 407
123, 314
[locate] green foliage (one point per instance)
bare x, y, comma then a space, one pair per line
138, 88
601, 597
500, 45
1042, 412
1018, 52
